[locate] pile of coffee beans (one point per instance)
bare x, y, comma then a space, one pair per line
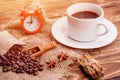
19, 61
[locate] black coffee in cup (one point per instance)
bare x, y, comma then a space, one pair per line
85, 15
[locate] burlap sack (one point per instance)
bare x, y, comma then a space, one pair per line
7, 41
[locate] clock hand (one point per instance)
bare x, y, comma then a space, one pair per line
31, 21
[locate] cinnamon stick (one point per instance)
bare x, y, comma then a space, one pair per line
91, 66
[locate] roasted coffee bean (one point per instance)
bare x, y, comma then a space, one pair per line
19, 61
28, 59
35, 73
35, 69
34, 66
9, 58
21, 64
30, 64
22, 71
6, 63
30, 53
33, 58
9, 68
27, 70
30, 67
30, 71
12, 52
9, 55
18, 71
5, 70
14, 70
22, 58
35, 63
13, 62
15, 66
1, 61
40, 69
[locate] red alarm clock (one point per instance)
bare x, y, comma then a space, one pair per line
31, 20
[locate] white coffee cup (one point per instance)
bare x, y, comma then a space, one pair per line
85, 30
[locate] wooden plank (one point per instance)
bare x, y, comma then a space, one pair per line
108, 56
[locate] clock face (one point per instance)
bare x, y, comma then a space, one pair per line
31, 23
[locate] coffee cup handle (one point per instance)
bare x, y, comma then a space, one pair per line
106, 29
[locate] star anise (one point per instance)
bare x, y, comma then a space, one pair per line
51, 64
62, 56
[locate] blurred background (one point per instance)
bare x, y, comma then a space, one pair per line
10, 9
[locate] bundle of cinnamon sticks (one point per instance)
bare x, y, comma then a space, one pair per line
91, 66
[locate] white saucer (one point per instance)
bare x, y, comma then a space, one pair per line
59, 33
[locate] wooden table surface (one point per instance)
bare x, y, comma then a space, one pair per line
109, 56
